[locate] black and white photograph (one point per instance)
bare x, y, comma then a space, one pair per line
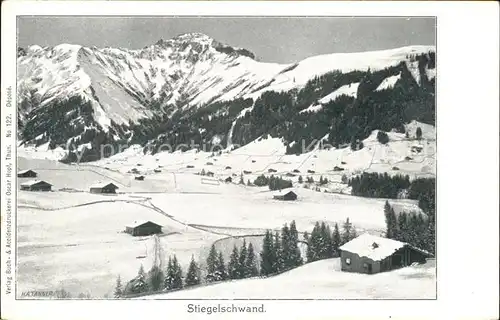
226, 157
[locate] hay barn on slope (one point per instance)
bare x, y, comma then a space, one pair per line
286, 196
27, 174
36, 185
143, 228
107, 188
371, 254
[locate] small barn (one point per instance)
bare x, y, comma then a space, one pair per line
270, 170
143, 228
371, 254
157, 170
106, 188
210, 174
140, 178
36, 185
27, 174
286, 196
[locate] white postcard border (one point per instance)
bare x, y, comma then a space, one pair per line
467, 53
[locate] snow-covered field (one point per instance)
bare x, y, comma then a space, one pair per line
73, 240
323, 280
83, 249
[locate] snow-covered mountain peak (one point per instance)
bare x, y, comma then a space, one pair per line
193, 36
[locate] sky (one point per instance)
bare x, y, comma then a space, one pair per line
271, 39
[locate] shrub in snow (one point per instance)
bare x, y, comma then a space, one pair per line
382, 137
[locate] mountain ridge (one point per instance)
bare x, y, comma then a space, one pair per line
114, 91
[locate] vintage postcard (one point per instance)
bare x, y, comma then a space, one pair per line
218, 160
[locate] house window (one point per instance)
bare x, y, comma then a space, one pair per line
348, 261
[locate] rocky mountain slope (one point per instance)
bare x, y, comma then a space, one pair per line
193, 88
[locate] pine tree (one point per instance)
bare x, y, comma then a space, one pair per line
267, 255
250, 264
431, 235
301, 179
278, 251
177, 274
242, 181
328, 242
211, 264
346, 231
138, 284
295, 257
220, 273
193, 274
141, 274
402, 227
393, 223
118, 288
314, 244
389, 233
323, 247
155, 278
286, 247
419, 133
336, 241
168, 283
232, 267
242, 260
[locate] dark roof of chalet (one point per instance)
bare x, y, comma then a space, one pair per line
102, 185
284, 193
34, 183
25, 171
141, 223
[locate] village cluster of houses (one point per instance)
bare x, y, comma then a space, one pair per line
110, 188
41, 185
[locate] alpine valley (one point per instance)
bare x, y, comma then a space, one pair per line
277, 168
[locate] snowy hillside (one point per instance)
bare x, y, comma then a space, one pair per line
112, 94
323, 280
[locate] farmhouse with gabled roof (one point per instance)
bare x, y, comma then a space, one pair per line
371, 254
